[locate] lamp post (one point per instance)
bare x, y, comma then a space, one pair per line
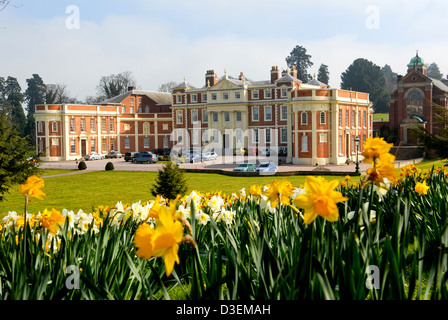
357, 140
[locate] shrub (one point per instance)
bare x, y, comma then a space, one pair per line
82, 165
170, 182
109, 166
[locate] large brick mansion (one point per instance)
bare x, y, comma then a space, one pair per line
316, 124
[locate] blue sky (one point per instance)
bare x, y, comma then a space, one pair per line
164, 40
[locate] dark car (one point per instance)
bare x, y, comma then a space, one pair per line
129, 156
145, 157
113, 155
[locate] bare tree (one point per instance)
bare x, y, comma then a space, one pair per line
167, 86
57, 94
6, 3
115, 84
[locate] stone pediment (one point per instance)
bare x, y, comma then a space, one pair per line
226, 84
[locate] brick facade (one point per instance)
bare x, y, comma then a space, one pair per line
133, 121
279, 112
412, 103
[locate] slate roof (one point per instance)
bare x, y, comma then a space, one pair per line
161, 98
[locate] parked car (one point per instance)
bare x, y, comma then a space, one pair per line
113, 155
93, 156
193, 158
145, 157
128, 156
267, 167
209, 156
245, 167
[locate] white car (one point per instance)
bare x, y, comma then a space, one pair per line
94, 156
209, 156
266, 167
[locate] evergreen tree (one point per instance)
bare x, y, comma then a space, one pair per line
323, 75
302, 61
14, 153
13, 103
433, 71
365, 76
34, 94
2, 89
170, 182
390, 77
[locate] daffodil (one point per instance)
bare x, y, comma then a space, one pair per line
168, 235
374, 148
143, 241
163, 240
255, 190
279, 192
378, 173
51, 220
202, 217
215, 203
421, 188
319, 199
32, 188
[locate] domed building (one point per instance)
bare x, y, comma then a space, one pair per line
413, 101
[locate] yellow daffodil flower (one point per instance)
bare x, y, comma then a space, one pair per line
374, 148
421, 188
32, 188
163, 241
255, 190
319, 199
143, 240
279, 192
378, 173
168, 235
51, 220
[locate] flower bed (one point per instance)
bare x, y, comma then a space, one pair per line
379, 237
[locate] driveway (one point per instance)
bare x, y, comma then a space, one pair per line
225, 164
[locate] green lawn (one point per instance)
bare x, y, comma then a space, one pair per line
90, 189
380, 117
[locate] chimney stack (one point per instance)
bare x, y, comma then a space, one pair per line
211, 78
131, 88
293, 72
275, 74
